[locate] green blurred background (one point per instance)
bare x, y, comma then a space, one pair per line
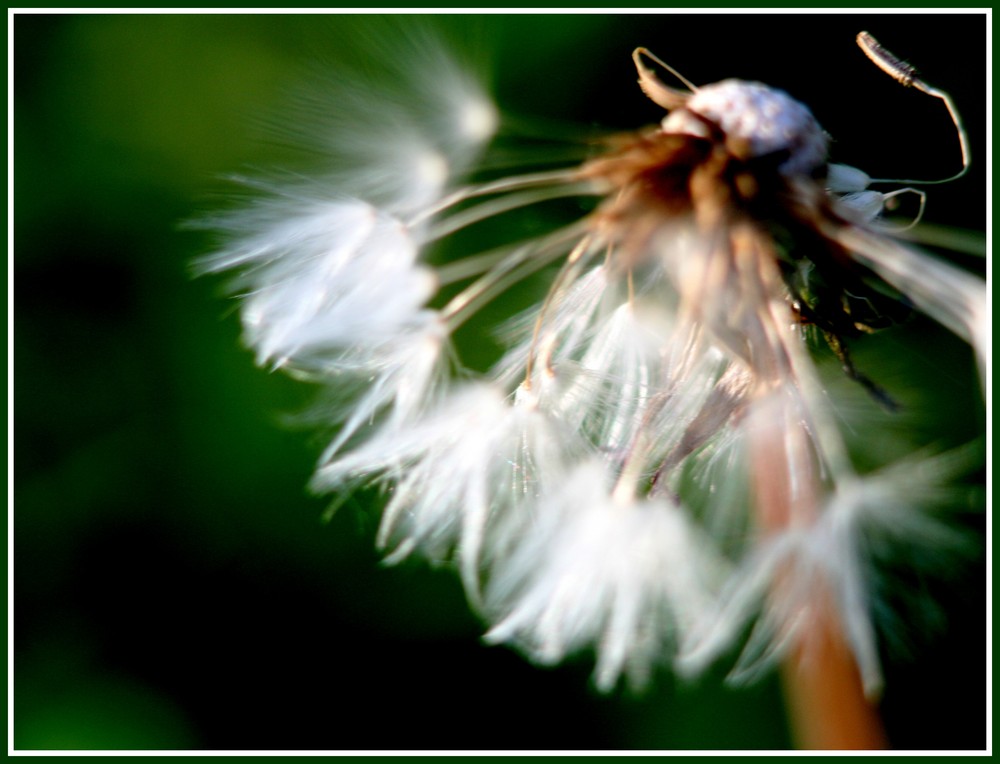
175, 586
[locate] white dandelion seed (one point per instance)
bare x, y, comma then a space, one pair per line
667, 362
322, 278
402, 148
628, 576
464, 472
791, 576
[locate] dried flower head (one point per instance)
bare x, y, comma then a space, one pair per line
669, 355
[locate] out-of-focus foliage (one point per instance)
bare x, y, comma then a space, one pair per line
175, 586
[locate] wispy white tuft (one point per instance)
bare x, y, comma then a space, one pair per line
400, 129
472, 462
620, 373
625, 577
799, 573
327, 277
404, 374
566, 323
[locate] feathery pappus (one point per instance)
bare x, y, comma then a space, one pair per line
668, 363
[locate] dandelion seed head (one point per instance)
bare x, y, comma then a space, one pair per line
653, 464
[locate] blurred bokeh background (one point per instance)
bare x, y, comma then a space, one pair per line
175, 586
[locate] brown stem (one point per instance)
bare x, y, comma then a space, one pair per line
827, 706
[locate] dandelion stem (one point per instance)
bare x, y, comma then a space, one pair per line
825, 695
827, 705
